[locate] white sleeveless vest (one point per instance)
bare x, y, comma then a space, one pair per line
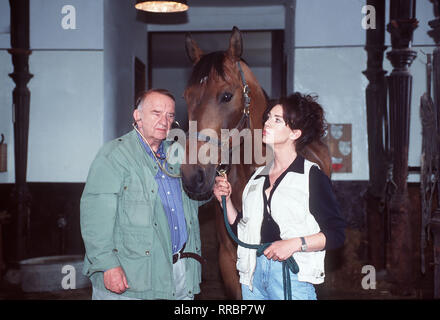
290, 209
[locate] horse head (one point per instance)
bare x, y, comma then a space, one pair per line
222, 94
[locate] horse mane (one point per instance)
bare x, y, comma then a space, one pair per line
202, 69
208, 62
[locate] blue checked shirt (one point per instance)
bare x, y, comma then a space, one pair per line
170, 193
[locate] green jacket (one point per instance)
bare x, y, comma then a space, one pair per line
123, 222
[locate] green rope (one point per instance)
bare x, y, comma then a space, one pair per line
288, 265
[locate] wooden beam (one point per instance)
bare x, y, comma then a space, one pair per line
20, 53
399, 254
435, 218
376, 101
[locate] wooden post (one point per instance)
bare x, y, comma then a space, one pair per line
4, 219
21, 100
435, 218
376, 100
399, 254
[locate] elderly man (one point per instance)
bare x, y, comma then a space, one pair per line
140, 229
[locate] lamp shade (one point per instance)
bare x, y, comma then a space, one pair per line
162, 6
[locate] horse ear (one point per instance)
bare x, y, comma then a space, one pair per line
192, 49
235, 45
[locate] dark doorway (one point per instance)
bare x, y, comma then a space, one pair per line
139, 78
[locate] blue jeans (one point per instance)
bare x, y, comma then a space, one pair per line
268, 283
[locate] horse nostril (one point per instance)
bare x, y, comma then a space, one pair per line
200, 177
194, 179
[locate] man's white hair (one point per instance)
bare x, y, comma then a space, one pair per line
145, 94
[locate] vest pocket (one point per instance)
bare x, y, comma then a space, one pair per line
243, 260
243, 256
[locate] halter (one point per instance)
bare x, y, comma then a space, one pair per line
243, 123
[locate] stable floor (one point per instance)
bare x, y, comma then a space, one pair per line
210, 290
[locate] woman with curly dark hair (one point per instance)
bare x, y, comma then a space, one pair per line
289, 203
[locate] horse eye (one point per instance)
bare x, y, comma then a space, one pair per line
226, 97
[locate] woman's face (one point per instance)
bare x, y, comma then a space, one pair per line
276, 131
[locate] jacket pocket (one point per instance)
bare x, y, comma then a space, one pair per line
137, 207
134, 250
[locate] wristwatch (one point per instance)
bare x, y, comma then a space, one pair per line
303, 245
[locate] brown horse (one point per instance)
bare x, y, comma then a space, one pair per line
216, 99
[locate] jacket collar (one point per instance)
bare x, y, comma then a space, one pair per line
296, 166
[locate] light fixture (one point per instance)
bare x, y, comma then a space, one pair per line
162, 6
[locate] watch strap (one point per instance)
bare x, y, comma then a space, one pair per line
303, 244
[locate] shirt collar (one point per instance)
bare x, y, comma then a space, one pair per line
296, 166
160, 154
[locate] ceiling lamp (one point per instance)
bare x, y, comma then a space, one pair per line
162, 6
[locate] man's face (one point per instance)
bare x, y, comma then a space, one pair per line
157, 116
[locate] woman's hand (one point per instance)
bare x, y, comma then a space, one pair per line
222, 187
283, 249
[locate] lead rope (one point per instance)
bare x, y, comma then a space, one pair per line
288, 265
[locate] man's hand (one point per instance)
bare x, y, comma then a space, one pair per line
115, 280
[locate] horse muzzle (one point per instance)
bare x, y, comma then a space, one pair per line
198, 180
